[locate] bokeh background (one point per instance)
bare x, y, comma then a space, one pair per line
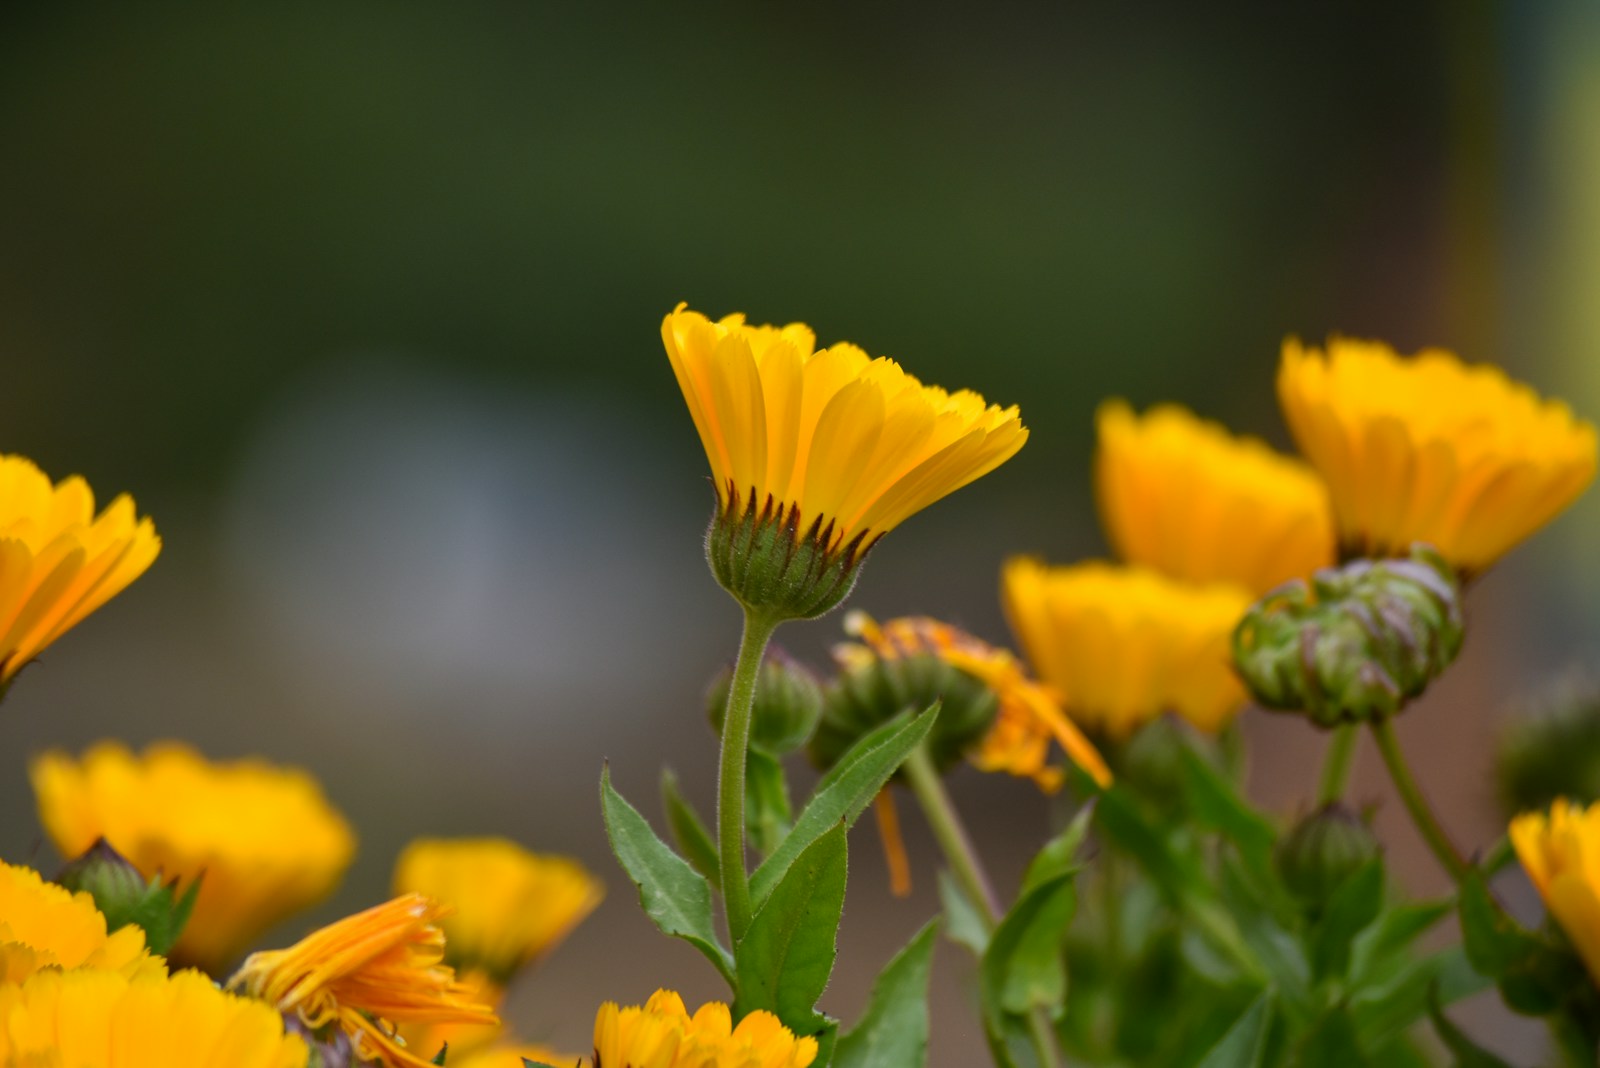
361, 302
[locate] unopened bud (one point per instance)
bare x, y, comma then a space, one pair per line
873, 690
123, 895
1322, 851
1551, 749
1357, 642
788, 703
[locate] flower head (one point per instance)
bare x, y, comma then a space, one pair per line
98, 1019
264, 838
59, 561
367, 974
1426, 448
508, 906
43, 925
1125, 644
662, 1034
1561, 854
815, 454
1183, 496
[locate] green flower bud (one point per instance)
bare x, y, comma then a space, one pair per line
788, 703
1322, 851
873, 690
1551, 749
760, 554
1356, 643
124, 895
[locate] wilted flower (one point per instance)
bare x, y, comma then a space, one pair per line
367, 974
43, 925
99, 1019
1426, 448
1183, 496
1561, 854
263, 837
662, 1034
1123, 645
59, 561
815, 455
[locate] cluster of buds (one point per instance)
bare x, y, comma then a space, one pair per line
1357, 642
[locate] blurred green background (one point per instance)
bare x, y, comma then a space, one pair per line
361, 300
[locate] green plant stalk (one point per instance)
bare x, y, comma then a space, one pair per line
956, 845
1405, 784
730, 780
1336, 764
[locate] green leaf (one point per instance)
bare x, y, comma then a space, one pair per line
1246, 1041
1468, 1054
444, 1051
786, 956
1024, 966
766, 801
1332, 1044
963, 923
1215, 802
1383, 945
1354, 906
1384, 1010
1059, 855
672, 894
894, 1028
1536, 976
689, 831
845, 792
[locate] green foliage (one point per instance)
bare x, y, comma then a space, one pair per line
766, 801
1023, 967
1245, 1044
124, 896
1467, 1053
894, 1028
1537, 976
689, 831
675, 896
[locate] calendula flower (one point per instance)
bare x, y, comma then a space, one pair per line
509, 906
59, 561
1183, 496
1426, 448
815, 455
263, 837
43, 925
98, 1019
662, 1034
369, 974
1028, 715
1561, 854
1124, 645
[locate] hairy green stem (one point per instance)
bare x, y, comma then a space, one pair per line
1405, 784
1337, 762
959, 853
730, 781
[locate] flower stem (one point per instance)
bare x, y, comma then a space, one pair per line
730, 782
1405, 784
956, 845
1337, 762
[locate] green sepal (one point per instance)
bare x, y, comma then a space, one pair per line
689, 831
893, 1030
675, 896
783, 962
845, 792
439, 1058
759, 553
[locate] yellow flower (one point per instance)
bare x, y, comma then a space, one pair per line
1182, 495
43, 925
509, 906
1125, 644
58, 560
1028, 717
1426, 448
662, 1034
513, 1056
265, 838
368, 973
816, 454
97, 1019
1561, 854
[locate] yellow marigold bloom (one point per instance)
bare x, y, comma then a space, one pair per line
1561, 854
1029, 715
509, 906
1426, 448
96, 1019
820, 451
1124, 645
1182, 495
662, 1034
59, 561
369, 973
265, 837
43, 925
